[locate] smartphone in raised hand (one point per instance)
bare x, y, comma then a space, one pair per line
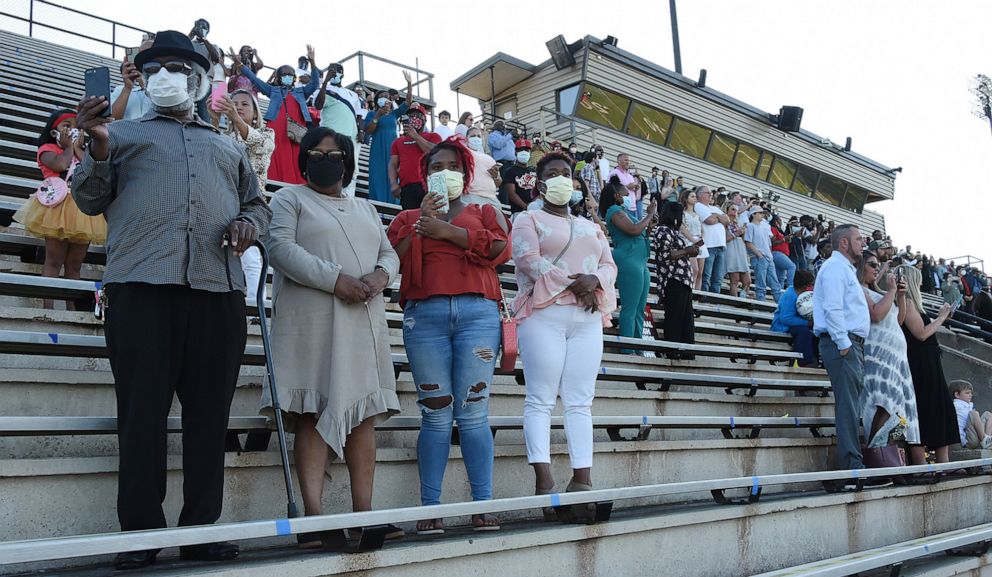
97, 81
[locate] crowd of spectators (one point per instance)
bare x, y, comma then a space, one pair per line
581, 234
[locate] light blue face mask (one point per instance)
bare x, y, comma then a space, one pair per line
382, 102
336, 80
576, 197
286, 79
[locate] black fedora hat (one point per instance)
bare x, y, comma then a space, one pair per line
171, 43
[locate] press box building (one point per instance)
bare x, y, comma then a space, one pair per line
660, 118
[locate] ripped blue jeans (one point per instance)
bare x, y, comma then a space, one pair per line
452, 342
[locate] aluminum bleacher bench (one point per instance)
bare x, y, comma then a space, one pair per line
972, 541
94, 346
17, 426
22, 285
27, 246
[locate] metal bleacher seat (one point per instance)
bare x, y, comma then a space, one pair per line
94, 346
66, 426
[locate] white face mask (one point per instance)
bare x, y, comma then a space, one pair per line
523, 156
336, 80
168, 89
558, 190
475, 143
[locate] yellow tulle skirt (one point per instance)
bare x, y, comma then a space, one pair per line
63, 222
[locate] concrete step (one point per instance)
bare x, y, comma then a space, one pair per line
685, 540
76, 496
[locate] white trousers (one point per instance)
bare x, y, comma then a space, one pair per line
251, 263
350, 189
561, 347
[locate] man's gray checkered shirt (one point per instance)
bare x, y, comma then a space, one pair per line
169, 192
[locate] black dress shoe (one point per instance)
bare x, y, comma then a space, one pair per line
135, 559
209, 552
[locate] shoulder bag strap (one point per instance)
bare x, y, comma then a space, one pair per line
571, 235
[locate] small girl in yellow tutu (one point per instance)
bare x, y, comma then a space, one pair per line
66, 230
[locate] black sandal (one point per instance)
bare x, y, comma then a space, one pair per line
485, 522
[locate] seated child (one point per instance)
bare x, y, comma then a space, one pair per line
976, 431
787, 319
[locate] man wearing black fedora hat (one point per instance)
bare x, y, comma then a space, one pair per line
182, 205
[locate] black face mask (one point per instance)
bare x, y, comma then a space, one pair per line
325, 173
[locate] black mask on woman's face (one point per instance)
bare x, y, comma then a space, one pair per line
325, 173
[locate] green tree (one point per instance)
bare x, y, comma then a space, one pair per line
981, 87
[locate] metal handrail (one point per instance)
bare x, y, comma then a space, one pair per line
108, 543
969, 260
32, 22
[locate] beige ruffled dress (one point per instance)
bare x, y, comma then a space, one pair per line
331, 359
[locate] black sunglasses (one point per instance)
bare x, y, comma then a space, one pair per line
330, 155
151, 68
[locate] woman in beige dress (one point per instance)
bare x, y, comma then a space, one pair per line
330, 341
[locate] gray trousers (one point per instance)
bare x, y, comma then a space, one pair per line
846, 378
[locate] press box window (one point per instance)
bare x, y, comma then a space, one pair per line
689, 138
649, 124
567, 98
722, 150
782, 172
746, 160
602, 107
830, 189
805, 180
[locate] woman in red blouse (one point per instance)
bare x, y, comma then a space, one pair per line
451, 324
785, 269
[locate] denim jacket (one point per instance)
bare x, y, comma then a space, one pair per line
277, 94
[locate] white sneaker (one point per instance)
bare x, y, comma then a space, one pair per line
987, 442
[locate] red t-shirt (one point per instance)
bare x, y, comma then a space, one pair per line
437, 267
50, 147
783, 245
410, 156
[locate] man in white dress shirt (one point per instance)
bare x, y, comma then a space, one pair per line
841, 320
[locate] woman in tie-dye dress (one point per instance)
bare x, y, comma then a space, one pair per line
888, 401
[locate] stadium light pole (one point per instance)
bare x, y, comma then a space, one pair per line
675, 36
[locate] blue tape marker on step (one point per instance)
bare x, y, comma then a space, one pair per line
644, 420
283, 528
754, 485
926, 548
98, 285
731, 422
855, 473
931, 468
796, 420
54, 337
555, 500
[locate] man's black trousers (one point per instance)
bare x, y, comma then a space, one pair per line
167, 340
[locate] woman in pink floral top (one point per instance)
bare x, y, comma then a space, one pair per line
565, 274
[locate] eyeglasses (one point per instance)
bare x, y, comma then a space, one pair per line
151, 68
330, 155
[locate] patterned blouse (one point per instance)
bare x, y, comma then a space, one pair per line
259, 146
666, 241
538, 238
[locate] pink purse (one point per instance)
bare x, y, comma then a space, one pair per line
52, 191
